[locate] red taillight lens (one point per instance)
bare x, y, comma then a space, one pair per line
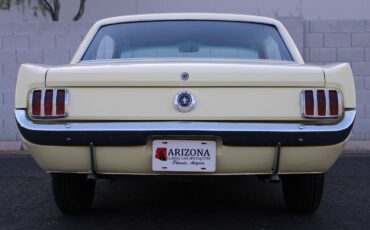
60, 103
48, 102
309, 103
36, 103
333, 98
321, 103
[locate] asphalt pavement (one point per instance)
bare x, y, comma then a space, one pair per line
26, 201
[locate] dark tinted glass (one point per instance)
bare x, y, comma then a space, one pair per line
188, 39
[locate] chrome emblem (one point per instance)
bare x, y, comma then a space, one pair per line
184, 101
184, 76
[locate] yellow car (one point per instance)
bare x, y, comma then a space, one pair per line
186, 94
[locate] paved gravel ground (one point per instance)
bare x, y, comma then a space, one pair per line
26, 201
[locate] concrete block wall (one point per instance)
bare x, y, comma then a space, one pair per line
327, 41
320, 42
42, 43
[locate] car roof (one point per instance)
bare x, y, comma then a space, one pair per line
188, 16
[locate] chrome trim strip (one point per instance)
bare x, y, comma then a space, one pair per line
189, 59
66, 103
42, 113
340, 102
129, 133
315, 110
30, 99
54, 107
225, 127
327, 105
344, 123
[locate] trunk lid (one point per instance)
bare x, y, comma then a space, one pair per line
202, 74
223, 91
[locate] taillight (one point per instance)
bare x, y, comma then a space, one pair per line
309, 103
36, 103
321, 103
334, 105
61, 101
48, 103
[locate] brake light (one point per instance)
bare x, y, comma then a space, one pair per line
309, 105
333, 98
321, 103
49, 103
36, 102
61, 96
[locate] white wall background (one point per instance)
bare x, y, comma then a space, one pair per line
307, 9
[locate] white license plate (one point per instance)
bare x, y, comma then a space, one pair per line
184, 156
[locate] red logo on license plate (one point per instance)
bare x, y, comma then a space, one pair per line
161, 154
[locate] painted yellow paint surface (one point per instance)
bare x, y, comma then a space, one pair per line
203, 73
230, 160
340, 76
29, 77
157, 103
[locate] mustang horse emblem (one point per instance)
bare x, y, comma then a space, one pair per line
184, 101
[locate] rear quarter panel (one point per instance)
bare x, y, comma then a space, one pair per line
340, 76
29, 77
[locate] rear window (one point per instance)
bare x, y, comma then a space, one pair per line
188, 39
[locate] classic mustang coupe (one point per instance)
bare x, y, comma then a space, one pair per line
186, 94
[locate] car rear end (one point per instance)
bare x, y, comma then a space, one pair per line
187, 102
247, 115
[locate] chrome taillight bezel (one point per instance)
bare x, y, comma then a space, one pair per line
327, 101
42, 103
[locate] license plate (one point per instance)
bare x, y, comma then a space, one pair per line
184, 156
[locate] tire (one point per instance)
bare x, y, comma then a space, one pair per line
302, 193
73, 193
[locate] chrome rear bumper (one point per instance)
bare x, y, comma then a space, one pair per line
138, 133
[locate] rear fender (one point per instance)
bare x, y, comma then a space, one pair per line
340, 76
29, 76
